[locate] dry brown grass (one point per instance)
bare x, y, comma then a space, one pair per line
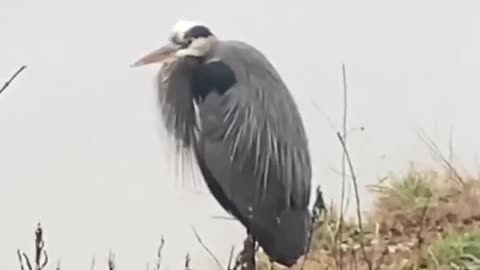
413, 217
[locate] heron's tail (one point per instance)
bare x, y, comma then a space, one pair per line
287, 240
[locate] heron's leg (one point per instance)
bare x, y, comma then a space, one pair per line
246, 258
249, 247
271, 263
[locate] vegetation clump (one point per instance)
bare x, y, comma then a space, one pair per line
423, 219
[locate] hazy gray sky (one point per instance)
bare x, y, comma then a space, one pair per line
80, 145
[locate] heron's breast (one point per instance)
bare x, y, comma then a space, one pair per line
213, 76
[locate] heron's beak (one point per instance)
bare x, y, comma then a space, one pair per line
158, 55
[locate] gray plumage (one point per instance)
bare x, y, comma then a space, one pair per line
248, 139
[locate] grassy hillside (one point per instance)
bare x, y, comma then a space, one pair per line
420, 220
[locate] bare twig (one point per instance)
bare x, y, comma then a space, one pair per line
45, 260
38, 245
435, 150
217, 261
187, 262
342, 198
357, 198
20, 259
39, 249
41, 256
7, 83
230, 258
331, 125
344, 137
224, 218
27, 261
111, 261
92, 265
159, 254
450, 146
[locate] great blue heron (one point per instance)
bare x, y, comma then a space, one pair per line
225, 101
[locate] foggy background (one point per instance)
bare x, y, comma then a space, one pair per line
81, 148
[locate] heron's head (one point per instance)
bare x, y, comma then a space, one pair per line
187, 39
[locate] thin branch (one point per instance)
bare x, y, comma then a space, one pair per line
357, 198
7, 83
27, 260
451, 154
111, 261
159, 254
92, 265
39, 249
207, 249
20, 259
344, 137
435, 150
41, 256
344, 176
324, 115
224, 218
45, 261
187, 262
230, 258
450, 146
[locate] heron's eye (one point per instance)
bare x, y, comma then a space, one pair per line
183, 42
188, 41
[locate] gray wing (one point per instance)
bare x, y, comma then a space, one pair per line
177, 112
252, 138
176, 101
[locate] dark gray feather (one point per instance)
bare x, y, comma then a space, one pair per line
261, 123
176, 101
177, 111
254, 144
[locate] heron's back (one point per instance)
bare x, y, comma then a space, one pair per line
253, 150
